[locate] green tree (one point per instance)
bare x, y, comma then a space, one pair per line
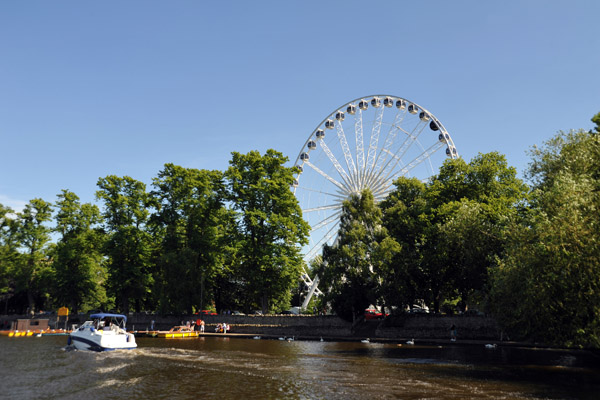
191, 217
128, 246
353, 266
407, 215
8, 253
596, 120
34, 238
270, 228
547, 285
471, 227
77, 262
449, 228
469, 238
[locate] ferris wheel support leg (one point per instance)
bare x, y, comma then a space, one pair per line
311, 291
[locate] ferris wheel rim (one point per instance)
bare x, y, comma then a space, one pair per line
364, 175
440, 125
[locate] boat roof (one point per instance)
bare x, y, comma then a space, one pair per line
107, 315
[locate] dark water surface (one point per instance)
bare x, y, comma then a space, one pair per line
232, 368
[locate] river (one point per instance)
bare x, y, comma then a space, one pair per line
236, 368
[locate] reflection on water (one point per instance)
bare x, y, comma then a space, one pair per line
212, 368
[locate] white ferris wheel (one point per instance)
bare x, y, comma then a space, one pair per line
366, 143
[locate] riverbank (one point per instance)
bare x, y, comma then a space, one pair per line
421, 326
424, 329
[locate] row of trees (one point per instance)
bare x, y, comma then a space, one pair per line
473, 236
198, 238
427, 241
476, 235
546, 286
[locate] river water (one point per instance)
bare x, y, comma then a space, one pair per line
236, 368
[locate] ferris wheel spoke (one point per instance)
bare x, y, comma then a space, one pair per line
372, 173
389, 140
422, 157
374, 138
340, 196
389, 171
322, 208
408, 142
335, 163
346, 150
382, 156
324, 175
360, 147
376, 183
330, 219
425, 155
325, 239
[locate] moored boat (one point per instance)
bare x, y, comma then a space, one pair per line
178, 332
103, 333
16, 333
56, 332
36, 332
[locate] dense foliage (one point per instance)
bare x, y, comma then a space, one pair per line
128, 244
352, 268
429, 243
199, 240
189, 226
77, 259
474, 236
269, 227
547, 285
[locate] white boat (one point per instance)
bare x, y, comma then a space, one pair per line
103, 333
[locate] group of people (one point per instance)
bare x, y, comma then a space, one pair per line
199, 326
220, 328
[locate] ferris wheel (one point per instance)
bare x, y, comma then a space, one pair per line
366, 143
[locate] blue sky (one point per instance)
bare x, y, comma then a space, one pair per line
90, 89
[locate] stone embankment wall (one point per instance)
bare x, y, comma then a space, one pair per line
422, 326
426, 326
438, 327
290, 325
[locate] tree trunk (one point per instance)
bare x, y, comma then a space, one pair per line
31, 302
30, 299
74, 309
264, 303
125, 303
202, 291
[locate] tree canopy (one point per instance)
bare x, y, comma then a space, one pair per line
269, 226
77, 258
190, 224
128, 245
474, 235
547, 285
33, 266
449, 230
352, 268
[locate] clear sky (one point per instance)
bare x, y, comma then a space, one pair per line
96, 88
